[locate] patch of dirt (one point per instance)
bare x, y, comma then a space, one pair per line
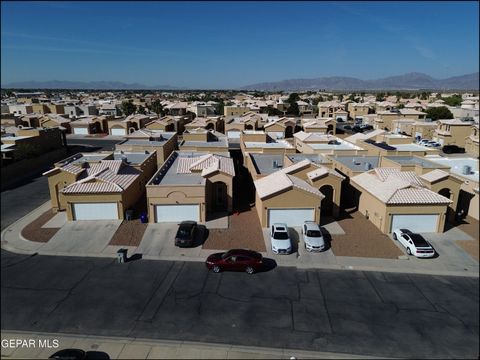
471, 227
34, 230
244, 232
129, 233
362, 239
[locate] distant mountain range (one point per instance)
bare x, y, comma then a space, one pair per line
93, 85
410, 81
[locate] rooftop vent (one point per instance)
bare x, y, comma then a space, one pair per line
466, 170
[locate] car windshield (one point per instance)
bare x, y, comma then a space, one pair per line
226, 254
419, 241
184, 232
280, 235
314, 233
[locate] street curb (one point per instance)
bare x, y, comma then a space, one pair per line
8, 247
201, 345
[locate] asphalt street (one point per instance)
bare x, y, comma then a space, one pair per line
367, 313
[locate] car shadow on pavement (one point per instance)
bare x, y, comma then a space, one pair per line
327, 237
202, 235
295, 238
96, 355
268, 264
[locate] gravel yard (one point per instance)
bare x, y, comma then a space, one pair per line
244, 232
470, 226
362, 239
129, 233
34, 230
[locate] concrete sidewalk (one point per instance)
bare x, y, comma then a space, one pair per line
445, 264
133, 348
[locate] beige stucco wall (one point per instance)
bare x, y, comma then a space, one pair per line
381, 215
291, 199
94, 198
171, 195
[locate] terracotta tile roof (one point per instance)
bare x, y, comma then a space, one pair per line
435, 175
208, 164
393, 186
279, 181
107, 176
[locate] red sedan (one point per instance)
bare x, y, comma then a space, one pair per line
235, 260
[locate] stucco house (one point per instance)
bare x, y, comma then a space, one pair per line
316, 143
216, 123
191, 186
452, 132
281, 191
471, 142
99, 186
202, 140
393, 199
143, 140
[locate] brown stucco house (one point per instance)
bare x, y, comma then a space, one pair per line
393, 199
295, 193
99, 186
215, 123
472, 143
452, 132
148, 141
202, 140
191, 186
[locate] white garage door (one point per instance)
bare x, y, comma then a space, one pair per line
95, 211
176, 213
291, 217
276, 134
81, 131
117, 131
415, 223
233, 134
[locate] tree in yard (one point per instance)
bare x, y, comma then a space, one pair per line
141, 110
454, 100
128, 108
340, 97
380, 97
271, 111
293, 98
157, 107
400, 106
318, 99
293, 109
424, 96
441, 112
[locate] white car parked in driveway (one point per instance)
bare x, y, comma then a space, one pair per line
281, 243
414, 243
313, 237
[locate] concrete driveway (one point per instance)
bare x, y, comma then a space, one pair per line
159, 240
300, 256
82, 237
450, 256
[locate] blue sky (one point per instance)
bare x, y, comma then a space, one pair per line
231, 44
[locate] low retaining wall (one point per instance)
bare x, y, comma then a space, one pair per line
24, 169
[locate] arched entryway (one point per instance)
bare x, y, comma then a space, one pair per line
219, 196
288, 132
327, 202
330, 129
248, 127
445, 192
210, 126
170, 127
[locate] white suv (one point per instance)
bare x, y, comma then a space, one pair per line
313, 237
281, 243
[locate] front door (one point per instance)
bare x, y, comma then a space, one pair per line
219, 196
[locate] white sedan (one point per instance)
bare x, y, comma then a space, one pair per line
414, 243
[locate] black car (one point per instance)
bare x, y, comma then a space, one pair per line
70, 354
186, 234
357, 129
453, 149
347, 127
